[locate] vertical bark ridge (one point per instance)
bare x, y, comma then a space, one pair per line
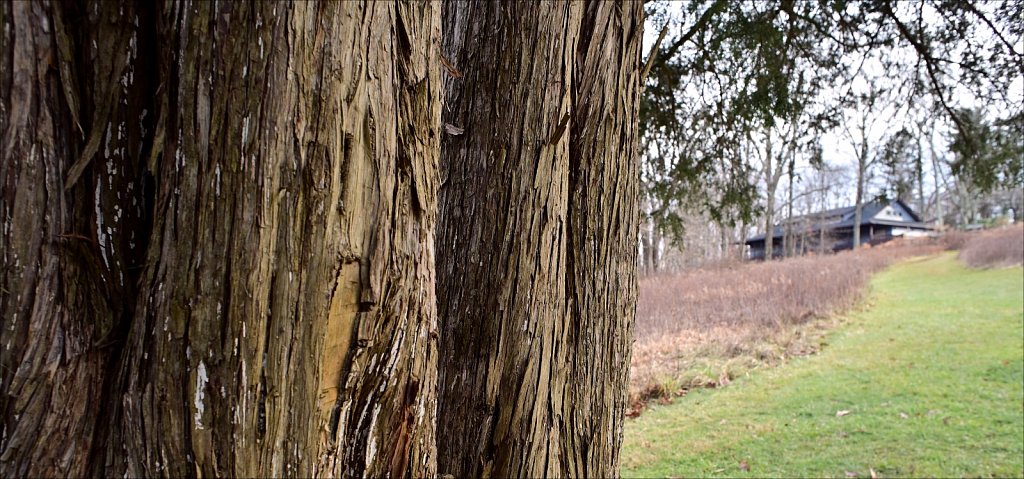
537, 238
604, 200
502, 299
73, 217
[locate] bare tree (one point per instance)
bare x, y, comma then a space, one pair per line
859, 127
771, 172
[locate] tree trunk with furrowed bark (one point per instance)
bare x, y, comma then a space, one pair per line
218, 237
218, 224
537, 236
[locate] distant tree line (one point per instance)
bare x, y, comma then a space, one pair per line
739, 94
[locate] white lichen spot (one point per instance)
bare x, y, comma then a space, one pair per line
106, 143
393, 358
201, 380
371, 449
101, 236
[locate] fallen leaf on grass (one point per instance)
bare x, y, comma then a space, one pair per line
744, 466
873, 474
842, 413
904, 415
851, 474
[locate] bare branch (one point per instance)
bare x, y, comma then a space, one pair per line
654, 53
702, 22
1009, 46
929, 63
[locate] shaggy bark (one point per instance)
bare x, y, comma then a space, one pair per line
537, 236
218, 238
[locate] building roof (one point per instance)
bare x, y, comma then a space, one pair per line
844, 218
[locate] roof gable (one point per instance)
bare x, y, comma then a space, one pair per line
894, 211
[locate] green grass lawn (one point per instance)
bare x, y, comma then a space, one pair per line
931, 374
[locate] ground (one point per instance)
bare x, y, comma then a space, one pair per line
926, 380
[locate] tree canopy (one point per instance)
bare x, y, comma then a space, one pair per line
722, 71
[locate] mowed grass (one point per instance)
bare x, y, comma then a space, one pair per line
930, 377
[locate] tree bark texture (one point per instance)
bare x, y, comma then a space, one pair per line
537, 236
218, 223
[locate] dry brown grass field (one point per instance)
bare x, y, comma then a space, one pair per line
705, 327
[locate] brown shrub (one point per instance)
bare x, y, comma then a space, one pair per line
994, 248
954, 240
703, 328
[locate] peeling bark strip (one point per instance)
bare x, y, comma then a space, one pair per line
218, 223
537, 236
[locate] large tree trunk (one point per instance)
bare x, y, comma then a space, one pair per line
537, 236
218, 238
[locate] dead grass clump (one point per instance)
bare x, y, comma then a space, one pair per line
706, 327
994, 248
954, 240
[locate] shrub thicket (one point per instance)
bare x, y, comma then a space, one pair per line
994, 248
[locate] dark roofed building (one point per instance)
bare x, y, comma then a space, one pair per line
832, 230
